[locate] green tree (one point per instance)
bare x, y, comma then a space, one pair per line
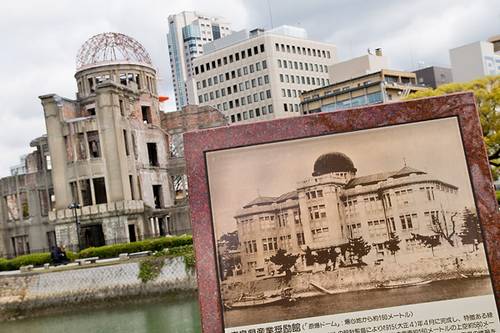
471, 231
427, 241
286, 261
487, 93
392, 244
359, 248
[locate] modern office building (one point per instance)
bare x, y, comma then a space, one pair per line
433, 76
188, 32
335, 205
475, 60
27, 197
379, 87
259, 75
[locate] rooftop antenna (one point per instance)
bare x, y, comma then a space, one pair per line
404, 161
270, 13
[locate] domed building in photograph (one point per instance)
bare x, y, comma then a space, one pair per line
335, 205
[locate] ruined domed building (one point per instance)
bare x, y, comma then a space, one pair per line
335, 204
109, 154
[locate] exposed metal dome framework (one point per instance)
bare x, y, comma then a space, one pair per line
111, 47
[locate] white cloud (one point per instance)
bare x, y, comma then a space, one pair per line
40, 39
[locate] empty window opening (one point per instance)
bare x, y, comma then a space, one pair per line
85, 192
157, 195
131, 233
51, 239
92, 235
122, 110
91, 111
123, 79
74, 192
100, 190
43, 197
138, 81
146, 114
152, 154
131, 184
21, 245
81, 149
23, 198
180, 187
91, 84
125, 140
94, 144
12, 207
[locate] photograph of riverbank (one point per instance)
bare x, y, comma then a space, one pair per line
324, 304
360, 221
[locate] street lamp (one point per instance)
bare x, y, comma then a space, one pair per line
75, 207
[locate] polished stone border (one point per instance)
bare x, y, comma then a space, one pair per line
196, 144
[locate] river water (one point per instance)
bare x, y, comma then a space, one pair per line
171, 314
180, 313
359, 300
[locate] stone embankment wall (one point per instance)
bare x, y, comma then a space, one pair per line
22, 293
368, 277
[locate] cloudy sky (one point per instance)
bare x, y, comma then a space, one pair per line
40, 39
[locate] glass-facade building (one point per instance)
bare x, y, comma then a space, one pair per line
188, 32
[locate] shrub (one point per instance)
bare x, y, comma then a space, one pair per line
35, 259
177, 245
158, 244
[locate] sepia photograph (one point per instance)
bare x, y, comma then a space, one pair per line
345, 222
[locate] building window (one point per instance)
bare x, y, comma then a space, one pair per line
152, 154
300, 239
157, 195
407, 221
146, 114
100, 191
125, 140
85, 192
94, 144
270, 244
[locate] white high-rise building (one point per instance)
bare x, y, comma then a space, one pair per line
475, 60
188, 31
259, 75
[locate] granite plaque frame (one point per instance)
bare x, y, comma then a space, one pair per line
460, 108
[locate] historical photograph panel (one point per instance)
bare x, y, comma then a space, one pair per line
345, 222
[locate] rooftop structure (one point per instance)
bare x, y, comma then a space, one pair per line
433, 76
356, 67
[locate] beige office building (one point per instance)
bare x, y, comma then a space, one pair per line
360, 81
259, 75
